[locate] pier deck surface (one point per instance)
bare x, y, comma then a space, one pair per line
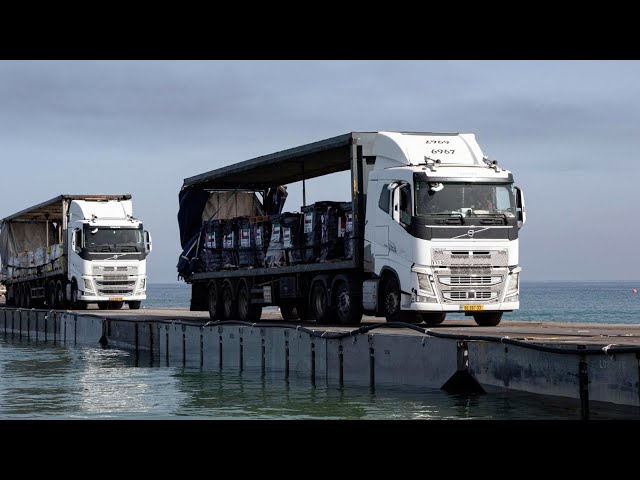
543, 332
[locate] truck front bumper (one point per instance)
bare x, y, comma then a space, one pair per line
438, 307
92, 297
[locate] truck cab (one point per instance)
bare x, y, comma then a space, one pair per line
74, 250
107, 254
441, 231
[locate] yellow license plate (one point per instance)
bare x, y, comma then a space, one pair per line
116, 299
472, 308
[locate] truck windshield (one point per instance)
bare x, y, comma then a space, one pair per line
105, 239
465, 199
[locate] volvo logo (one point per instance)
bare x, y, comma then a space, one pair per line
471, 233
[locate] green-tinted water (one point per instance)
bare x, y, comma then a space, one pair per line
47, 381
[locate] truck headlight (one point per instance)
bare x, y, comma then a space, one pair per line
88, 286
424, 283
143, 285
514, 280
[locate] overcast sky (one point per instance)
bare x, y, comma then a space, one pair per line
568, 130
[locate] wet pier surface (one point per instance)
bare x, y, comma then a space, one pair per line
546, 332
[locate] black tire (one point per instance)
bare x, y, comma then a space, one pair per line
75, 303
289, 312
51, 294
391, 304
229, 307
435, 318
488, 319
116, 305
247, 311
134, 304
348, 306
213, 302
60, 300
319, 301
103, 305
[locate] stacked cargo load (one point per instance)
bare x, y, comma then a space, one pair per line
346, 228
247, 244
292, 238
331, 243
230, 244
211, 250
53, 258
261, 231
275, 256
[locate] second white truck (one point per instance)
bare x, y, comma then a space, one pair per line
74, 250
433, 224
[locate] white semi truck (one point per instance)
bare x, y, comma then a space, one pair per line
435, 228
74, 250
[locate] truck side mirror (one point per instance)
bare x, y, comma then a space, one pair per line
148, 245
521, 210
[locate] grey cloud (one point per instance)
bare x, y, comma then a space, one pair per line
141, 127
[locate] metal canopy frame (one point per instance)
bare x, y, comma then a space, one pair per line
53, 209
293, 165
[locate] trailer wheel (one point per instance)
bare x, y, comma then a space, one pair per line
391, 304
348, 307
320, 307
435, 318
228, 306
247, 311
213, 301
117, 305
488, 319
51, 294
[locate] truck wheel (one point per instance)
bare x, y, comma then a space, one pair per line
134, 305
320, 307
117, 305
392, 310
75, 303
60, 301
103, 305
289, 312
51, 294
213, 301
488, 319
348, 307
247, 312
228, 306
435, 318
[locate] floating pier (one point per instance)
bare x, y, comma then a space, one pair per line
588, 366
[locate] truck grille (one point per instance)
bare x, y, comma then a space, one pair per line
115, 287
470, 295
100, 270
470, 280
470, 258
